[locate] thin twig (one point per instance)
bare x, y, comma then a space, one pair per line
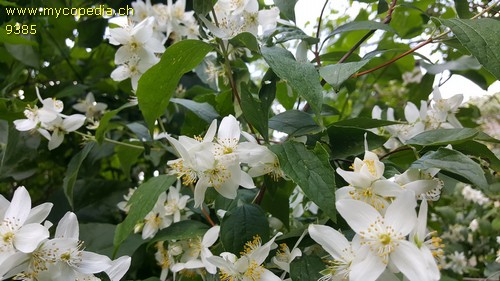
207, 216
316, 53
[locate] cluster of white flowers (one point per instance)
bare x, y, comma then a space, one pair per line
93, 110
144, 37
233, 17
189, 255
457, 262
388, 230
216, 161
367, 183
474, 195
168, 209
27, 253
49, 121
440, 114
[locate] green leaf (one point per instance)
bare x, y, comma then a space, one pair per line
336, 74
97, 238
181, 230
91, 32
287, 8
294, 123
382, 7
349, 141
104, 122
306, 268
8, 3
361, 25
72, 171
247, 40
15, 39
482, 38
128, 156
241, 225
454, 162
443, 137
310, 170
479, 150
254, 112
24, 53
302, 77
364, 123
462, 8
19, 158
460, 64
203, 110
277, 199
157, 85
287, 33
141, 203
203, 7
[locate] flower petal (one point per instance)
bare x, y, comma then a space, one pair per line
359, 215
20, 207
210, 236
92, 263
29, 236
369, 268
118, 268
401, 213
330, 239
410, 261
39, 213
68, 227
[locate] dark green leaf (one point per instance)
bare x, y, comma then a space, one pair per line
361, 25
310, 170
157, 85
454, 162
103, 124
19, 155
306, 268
97, 238
203, 110
254, 112
443, 137
336, 74
479, 150
302, 77
482, 38
24, 53
247, 40
349, 141
15, 39
141, 203
485, 137
203, 7
277, 199
72, 171
181, 230
364, 123
462, 8
287, 8
382, 6
241, 225
128, 156
420, 90
91, 32
294, 123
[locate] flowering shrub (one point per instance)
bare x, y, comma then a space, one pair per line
217, 140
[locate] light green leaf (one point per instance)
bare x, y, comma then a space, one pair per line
454, 162
104, 122
310, 170
141, 203
203, 110
361, 25
181, 230
24, 53
287, 8
15, 39
72, 171
443, 137
287, 33
241, 225
306, 268
462, 63
336, 74
482, 38
302, 77
294, 123
8, 3
157, 85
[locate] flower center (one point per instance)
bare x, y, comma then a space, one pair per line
371, 166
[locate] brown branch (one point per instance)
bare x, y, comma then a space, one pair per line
316, 53
207, 215
260, 195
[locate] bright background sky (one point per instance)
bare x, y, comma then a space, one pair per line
309, 11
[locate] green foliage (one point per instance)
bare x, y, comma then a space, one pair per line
72, 171
158, 84
306, 268
294, 123
311, 171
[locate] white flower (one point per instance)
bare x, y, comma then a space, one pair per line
196, 254
421, 182
474, 225
175, 203
248, 266
383, 238
156, 219
284, 257
132, 69
366, 182
60, 127
123, 205
90, 107
443, 110
19, 232
457, 262
473, 195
